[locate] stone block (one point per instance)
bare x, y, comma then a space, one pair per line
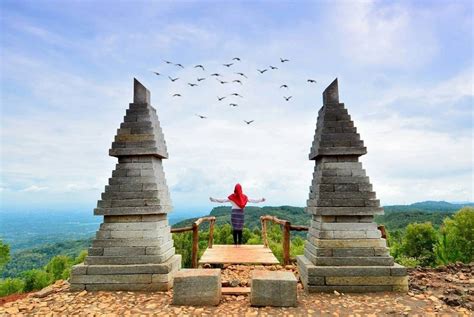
171, 265
273, 288
348, 288
111, 279
77, 287
140, 259
354, 261
340, 211
79, 269
131, 287
349, 243
367, 280
398, 270
197, 287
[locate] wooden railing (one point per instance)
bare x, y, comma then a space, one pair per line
195, 229
286, 227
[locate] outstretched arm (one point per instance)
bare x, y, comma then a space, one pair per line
214, 200
255, 201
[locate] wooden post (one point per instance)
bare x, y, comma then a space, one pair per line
195, 249
383, 232
286, 243
211, 234
264, 232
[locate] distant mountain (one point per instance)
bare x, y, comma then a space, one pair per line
429, 206
395, 217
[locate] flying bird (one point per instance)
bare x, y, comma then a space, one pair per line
179, 65
249, 122
284, 86
192, 85
220, 98
199, 66
201, 79
311, 81
237, 81
216, 74
233, 105
167, 62
273, 67
242, 74
176, 95
262, 71
221, 81
287, 98
228, 65
236, 59
236, 94
157, 74
173, 79
284, 60
200, 116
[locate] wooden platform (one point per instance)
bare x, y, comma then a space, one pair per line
242, 254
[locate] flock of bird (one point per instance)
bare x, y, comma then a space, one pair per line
219, 78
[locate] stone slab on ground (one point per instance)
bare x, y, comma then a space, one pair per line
197, 287
273, 288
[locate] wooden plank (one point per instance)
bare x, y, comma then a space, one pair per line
235, 290
243, 254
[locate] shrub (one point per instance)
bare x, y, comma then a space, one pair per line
419, 242
59, 267
10, 286
35, 279
457, 238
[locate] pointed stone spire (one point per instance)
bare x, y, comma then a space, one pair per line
140, 93
331, 93
140, 133
133, 249
335, 131
344, 250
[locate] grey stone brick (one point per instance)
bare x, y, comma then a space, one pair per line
273, 288
198, 287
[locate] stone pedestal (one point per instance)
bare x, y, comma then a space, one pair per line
344, 250
133, 249
197, 287
273, 288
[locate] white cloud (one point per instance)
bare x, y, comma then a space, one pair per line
67, 116
378, 33
34, 188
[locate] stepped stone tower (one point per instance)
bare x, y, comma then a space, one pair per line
133, 249
344, 250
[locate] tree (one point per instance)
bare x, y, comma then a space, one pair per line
35, 279
4, 254
457, 238
419, 242
59, 267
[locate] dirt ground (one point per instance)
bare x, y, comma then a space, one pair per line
445, 291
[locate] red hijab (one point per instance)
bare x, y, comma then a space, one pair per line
238, 197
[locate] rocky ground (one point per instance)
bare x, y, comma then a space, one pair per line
446, 291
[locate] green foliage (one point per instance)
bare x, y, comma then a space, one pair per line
419, 242
37, 258
81, 257
456, 242
59, 267
10, 286
35, 280
408, 262
4, 254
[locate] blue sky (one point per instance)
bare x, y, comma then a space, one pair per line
405, 73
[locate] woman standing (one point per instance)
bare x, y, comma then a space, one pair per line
238, 201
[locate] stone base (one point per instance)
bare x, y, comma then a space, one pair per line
197, 287
134, 277
271, 288
352, 279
